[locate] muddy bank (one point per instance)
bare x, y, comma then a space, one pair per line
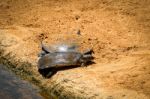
22, 72
11, 87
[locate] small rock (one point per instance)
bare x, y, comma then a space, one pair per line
77, 17
78, 32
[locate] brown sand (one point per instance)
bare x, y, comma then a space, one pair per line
117, 30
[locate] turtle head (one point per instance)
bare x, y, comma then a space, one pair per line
87, 57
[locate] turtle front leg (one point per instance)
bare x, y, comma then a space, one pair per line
83, 65
83, 62
86, 59
50, 73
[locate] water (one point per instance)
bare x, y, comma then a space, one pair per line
11, 87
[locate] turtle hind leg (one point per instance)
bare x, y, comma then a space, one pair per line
50, 73
47, 73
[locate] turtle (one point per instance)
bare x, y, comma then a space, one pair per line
64, 55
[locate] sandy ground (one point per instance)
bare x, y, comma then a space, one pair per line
117, 30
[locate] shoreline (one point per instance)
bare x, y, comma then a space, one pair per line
10, 82
8, 61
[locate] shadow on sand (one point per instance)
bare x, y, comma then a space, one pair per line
49, 72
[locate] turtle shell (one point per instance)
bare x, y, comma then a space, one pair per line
59, 59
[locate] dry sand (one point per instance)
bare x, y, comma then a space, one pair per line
117, 30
